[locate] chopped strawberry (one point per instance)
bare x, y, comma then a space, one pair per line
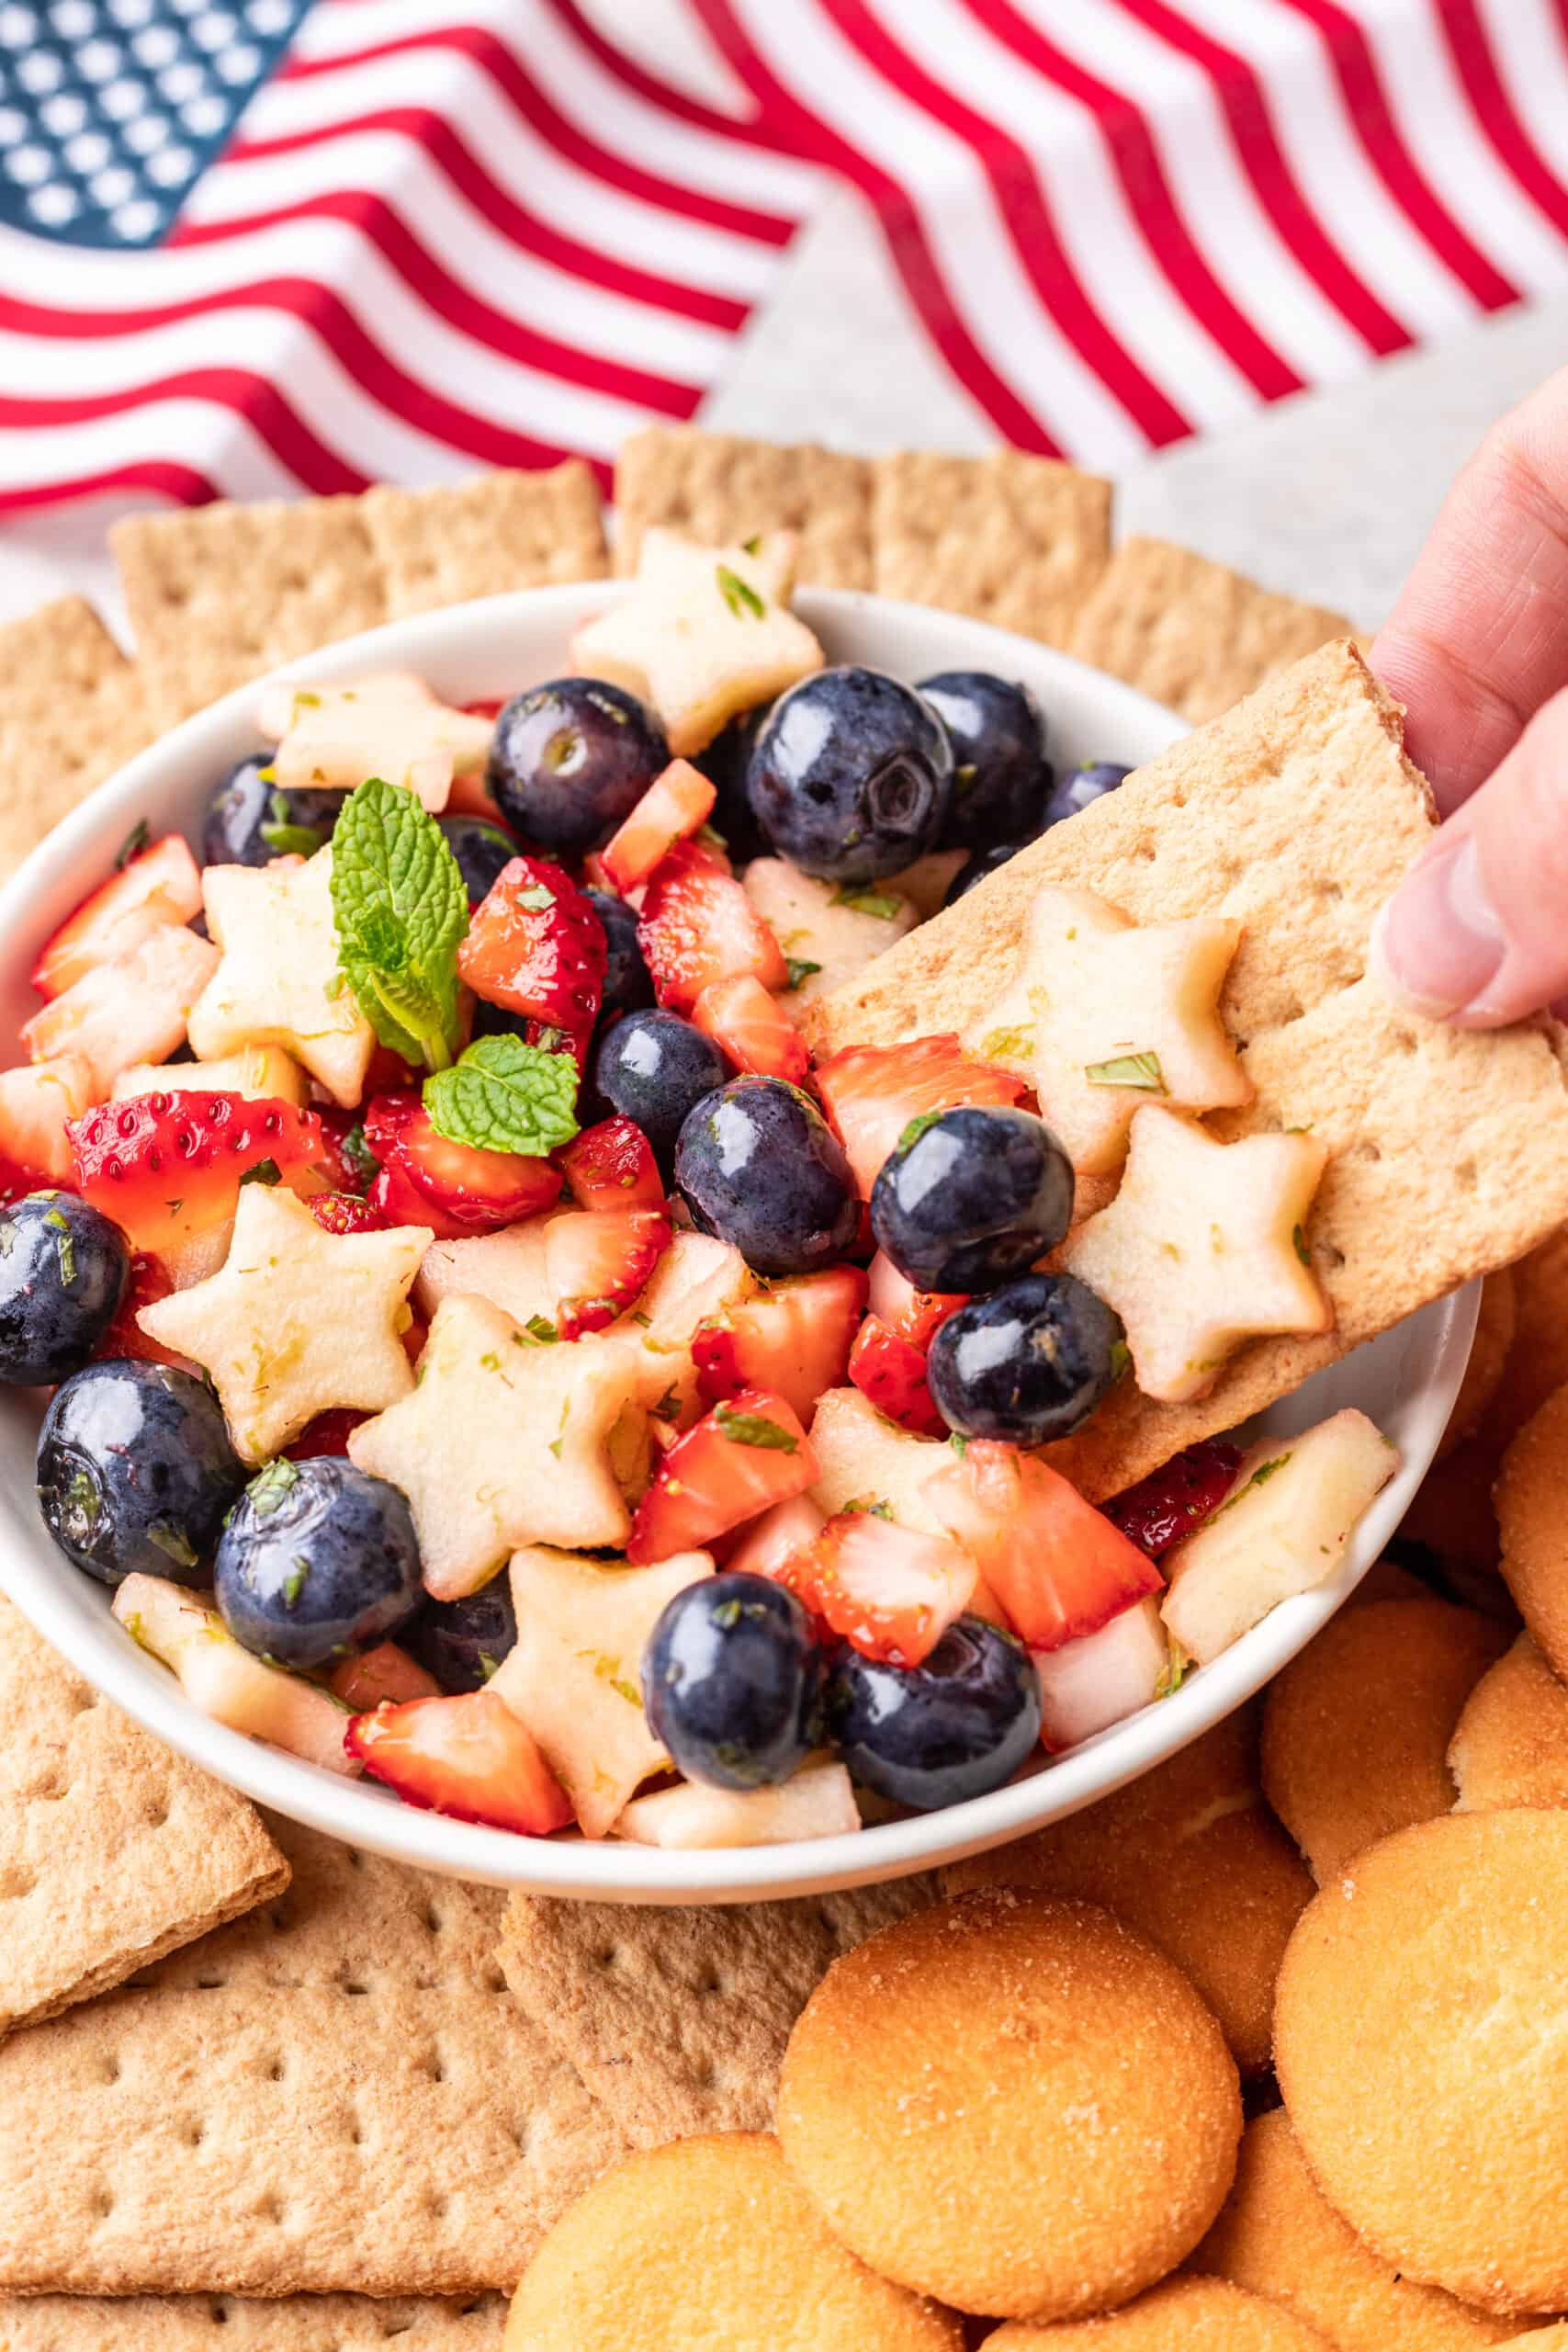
889, 1590
892, 1374
385, 1672
792, 1338
345, 1213
746, 1454
328, 1433
168, 1166
913, 1315
426, 1178
149, 1282
1171, 1502
160, 888
872, 1092
1056, 1565
672, 807
598, 1263
697, 926
767, 1547
612, 1165
469, 1756
36, 1098
536, 947
752, 1028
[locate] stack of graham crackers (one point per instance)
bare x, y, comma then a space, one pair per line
244, 2063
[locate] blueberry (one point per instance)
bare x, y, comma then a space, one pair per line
979, 867
851, 775
135, 1471
1028, 1363
570, 758
970, 1197
63, 1268
758, 1164
726, 763
250, 818
628, 986
463, 1642
1000, 775
954, 1727
654, 1066
318, 1560
730, 1680
481, 849
1091, 780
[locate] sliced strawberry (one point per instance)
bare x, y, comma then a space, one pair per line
771, 1543
752, 1028
598, 1263
889, 1590
1057, 1566
792, 1338
160, 888
892, 1374
426, 1178
1171, 1502
612, 1165
328, 1433
469, 1756
697, 926
36, 1098
872, 1092
746, 1454
384, 1673
345, 1213
674, 805
536, 947
149, 1282
913, 1315
168, 1166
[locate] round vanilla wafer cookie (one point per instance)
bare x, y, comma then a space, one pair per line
1194, 2314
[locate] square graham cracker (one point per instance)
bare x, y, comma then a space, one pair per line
482, 537
1193, 634
1297, 813
113, 1850
677, 2020
719, 488
71, 710
1008, 538
232, 2323
335, 2095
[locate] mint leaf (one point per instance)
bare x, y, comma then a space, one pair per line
917, 1129
505, 1096
737, 593
133, 845
754, 1429
265, 1171
1141, 1071
799, 969
869, 902
401, 912
359, 1158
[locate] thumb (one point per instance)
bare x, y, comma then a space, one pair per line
1478, 931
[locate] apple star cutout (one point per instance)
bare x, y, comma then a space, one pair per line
297, 1321
278, 982
1105, 1014
505, 1440
705, 633
575, 1673
1201, 1249
330, 738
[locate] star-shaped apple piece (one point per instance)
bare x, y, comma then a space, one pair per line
1202, 1248
705, 633
332, 737
575, 1674
505, 1440
278, 982
1104, 1015
297, 1321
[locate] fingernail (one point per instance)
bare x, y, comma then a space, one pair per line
1438, 942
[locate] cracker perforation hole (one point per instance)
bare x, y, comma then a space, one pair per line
157, 1815
710, 1981
435, 2066
437, 2206
111, 2069
271, 2209
1406, 1040
494, 1980
1466, 1175
1329, 890
208, 1984
608, 1958
276, 2071
1368, 1151
1333, 1257
433, 1920
100, 2204
354, 1989
195, 2133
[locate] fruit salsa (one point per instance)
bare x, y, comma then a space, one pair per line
487, 1352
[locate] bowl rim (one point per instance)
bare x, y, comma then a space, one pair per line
357, 1812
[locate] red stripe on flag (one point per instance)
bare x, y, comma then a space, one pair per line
183, 485
258, 400
1515, 150
658, 93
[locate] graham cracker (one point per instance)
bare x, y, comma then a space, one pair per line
482, 537
71, 711
218, 594
720, 488
337, 2095
677, 2020
232, 2323
1194, 635
113, 1850
1008, 538
1297, 813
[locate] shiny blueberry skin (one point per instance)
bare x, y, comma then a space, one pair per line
654, 1067
955, 1726
628, 985
318, 1560
481, 849
135, 1472
971, 1197
1028, 1363
250, 819
978, 869
570, 758
1091, 781
1002, 775
463, 1642
63, 1274
758, 1164
730, 1680
850, 778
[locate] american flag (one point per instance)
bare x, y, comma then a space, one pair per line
250, 247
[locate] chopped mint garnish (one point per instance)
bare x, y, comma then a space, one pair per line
488, 1665
917, 1129
1172, 1674
270, 1487
305, 700
287, 838
669, 1405
505, 1096
753, 546
1121, 1357
64, 1244
86, 1506
1299, 1244
870, 1506
133, 844
959, 1443
265, 1171
799, 969
538, 1332
173, 1542
754, 1429
737, 593
1017, 1042
294, 1582
962, 777
537, 897
359, 1158
1141, 1071
869, 902
402, 912
1266, 1470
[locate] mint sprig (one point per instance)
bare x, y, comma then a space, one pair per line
401, 912
505, 1096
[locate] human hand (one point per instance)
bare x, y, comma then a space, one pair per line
1477, 647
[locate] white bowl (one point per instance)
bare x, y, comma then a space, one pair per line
1405, 1381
